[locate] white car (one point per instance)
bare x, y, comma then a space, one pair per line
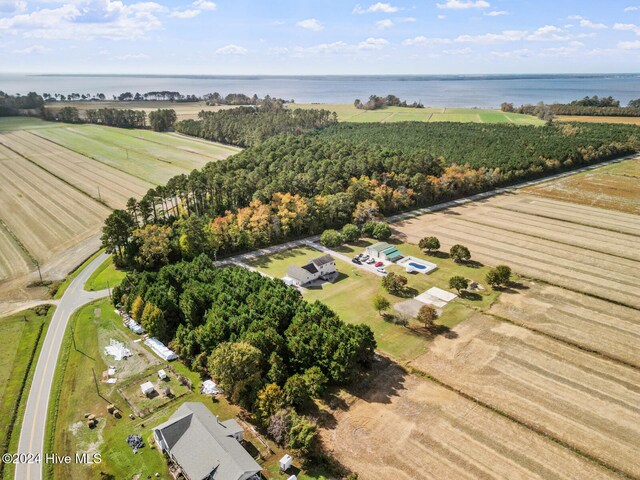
381, 270
371, 261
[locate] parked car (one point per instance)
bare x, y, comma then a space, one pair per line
371, 261
379, 264
356, 261
381, 270
364, 258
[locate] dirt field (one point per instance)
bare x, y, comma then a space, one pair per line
97, 180
596, 325
46, 214
412, 428
588, 402
580, 248
613, 187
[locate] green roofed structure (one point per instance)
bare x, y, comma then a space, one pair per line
384, 251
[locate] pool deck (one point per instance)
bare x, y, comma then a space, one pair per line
428, 266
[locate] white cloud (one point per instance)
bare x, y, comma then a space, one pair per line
496, 13
585, 23
463, 4
376, 8
422, 41
576, 44
310, 24
386, 23
407, 19
87, 19
629, 45
632, 8
373, 44
205, 5
441, 17
341, 47
185, 14
232, 49
37, 49
627, 26
12, 7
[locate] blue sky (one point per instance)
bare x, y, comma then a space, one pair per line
319, 37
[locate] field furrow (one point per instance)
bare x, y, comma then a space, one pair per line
423, 427
44, 213
542, 267
577, 397
13, 260
95, 179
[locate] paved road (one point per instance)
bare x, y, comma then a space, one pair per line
35, 415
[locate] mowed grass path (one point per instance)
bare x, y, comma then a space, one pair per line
105, 276
150, 156
349, 113
352, 294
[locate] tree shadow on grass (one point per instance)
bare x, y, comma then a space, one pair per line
471, 263
407, 292
467, 295
383, 381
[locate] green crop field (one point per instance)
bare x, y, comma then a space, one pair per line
8, 124
150, 156
349, 113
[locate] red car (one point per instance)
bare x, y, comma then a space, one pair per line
379, 264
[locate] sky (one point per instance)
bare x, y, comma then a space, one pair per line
298, 37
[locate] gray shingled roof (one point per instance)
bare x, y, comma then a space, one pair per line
297, 273
324, 259
204, 447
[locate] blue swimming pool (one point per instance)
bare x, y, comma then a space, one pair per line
417, 265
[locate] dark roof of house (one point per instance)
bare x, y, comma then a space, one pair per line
323, 260
204, 447
297, 273
310, 267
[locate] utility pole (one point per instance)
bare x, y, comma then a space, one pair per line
73, 337
109, 289
39, 272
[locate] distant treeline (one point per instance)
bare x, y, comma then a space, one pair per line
588, 106
249, 126
291, 186
112, 117
241, 99
11, 105
375, 102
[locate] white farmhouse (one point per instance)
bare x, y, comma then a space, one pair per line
318, 268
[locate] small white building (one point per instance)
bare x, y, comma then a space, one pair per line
317, 268
147, 388
162, 375
285, 462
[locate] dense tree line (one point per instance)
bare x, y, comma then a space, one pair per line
11, 105
249, 126
239, 99
375, 103
588, 106
291, 186
112, 117
247, 330
162, 119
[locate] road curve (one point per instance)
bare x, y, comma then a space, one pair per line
35, 416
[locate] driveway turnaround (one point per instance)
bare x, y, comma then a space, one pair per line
35, 416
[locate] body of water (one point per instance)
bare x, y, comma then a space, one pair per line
485, 91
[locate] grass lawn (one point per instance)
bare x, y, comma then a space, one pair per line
94, 325
105, 276
150, 156
351, 295
349, 113
22, 334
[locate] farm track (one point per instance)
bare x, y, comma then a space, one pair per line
588, 403
442, 434
115, 187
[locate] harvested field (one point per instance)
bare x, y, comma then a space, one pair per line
613, 187
13, 259
585, 249
598, 119
590, 403
406, 425
145, 155
97, 180
593, 324
44, 213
